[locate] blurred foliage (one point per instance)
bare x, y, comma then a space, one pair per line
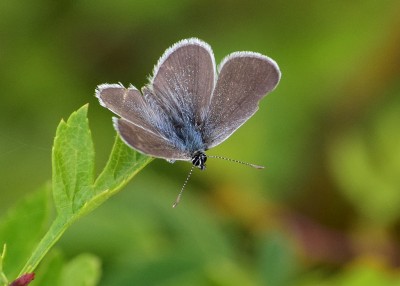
325, 211
22, 228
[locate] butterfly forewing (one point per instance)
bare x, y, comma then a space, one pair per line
244, 79
184, 79
127, 103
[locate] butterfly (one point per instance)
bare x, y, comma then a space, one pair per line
190, 106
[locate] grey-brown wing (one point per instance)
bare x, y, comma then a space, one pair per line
183, 80
244, 79
127, 103
147, 142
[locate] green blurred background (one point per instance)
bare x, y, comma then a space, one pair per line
325, 211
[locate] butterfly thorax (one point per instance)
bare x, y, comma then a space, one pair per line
199, 159
185, 134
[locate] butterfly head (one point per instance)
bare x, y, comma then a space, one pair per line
199, 159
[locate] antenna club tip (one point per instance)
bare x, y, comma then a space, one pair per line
176, 202
259, 167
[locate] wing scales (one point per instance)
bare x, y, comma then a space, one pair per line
244, 79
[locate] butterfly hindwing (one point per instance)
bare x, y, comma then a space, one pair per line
147, 142
244, 79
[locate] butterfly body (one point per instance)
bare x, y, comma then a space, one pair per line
188, 107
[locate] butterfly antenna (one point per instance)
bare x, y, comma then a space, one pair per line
178, 198
237, 161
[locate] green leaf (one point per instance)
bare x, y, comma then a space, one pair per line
83, 270
73, 163
75, 193
123, 164
21, 229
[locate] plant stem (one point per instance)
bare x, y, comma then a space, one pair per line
58, 227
